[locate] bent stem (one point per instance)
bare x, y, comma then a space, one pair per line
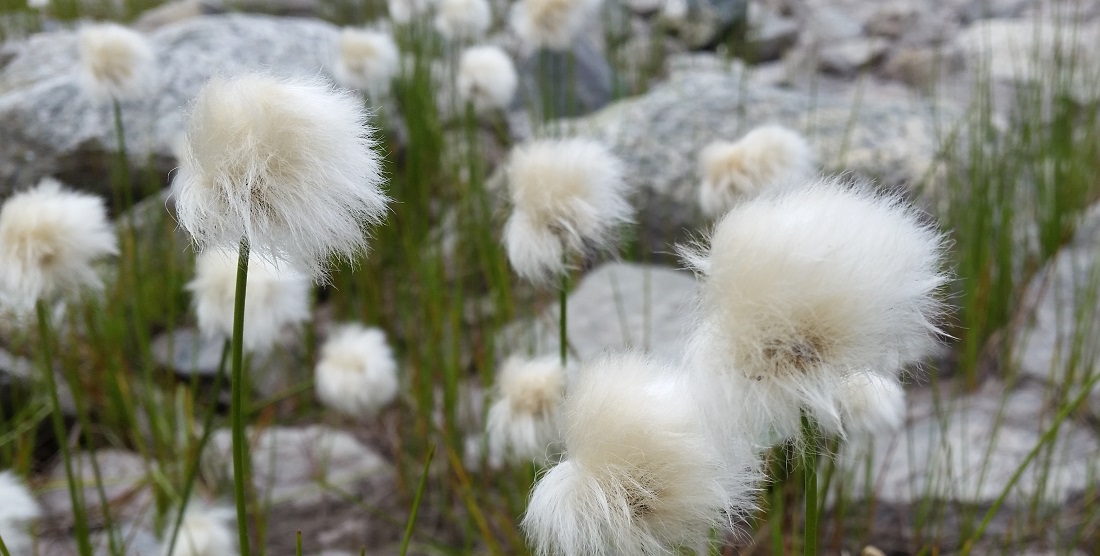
82, 532
240, 478
809, 474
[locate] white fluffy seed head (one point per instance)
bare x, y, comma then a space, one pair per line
552, 24
871, 404
206, 531
276, 296
523, 420
806, 285
17, 510
463, 19
641, 476
117, 62
763, 158
288, 165
49, 239
367, 61
404, 11
357, 373
486, 78
569, 197
38, 4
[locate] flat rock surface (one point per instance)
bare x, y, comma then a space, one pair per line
617, 306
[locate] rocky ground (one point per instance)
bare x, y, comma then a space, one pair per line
877, 86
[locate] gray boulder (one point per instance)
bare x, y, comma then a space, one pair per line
966, 448
878, 132
1057, 340
617, 306
51, 128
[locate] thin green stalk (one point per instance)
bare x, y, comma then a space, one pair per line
240, 478
193, 469
809, 474
416, 501
3, 547
298, 543
563, 298
83, 533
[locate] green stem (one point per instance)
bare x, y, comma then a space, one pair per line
809, 474
3, 547
416, 501
563, 298
83, 534
193, 469
240, 478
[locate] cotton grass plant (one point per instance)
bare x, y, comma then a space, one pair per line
50, 238
802, 289
357, 372
284, 169
569, 200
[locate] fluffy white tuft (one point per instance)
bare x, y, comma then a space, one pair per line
641, 476
38, 4
206, 531
17, 509
49, 238
117, 62
486, 78
763, 158
870, 404
805, 286
523, 420
288, 165
276, 296
463, 19
357, 373
367, 61
404, 11
569, 196
552, 24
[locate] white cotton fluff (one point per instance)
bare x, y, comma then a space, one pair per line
871, 404
357, 373
763, 158
117, 62
206, 531
17, 510
569, 197
463, 19
486, 78
405, 11
38, 4
640, 474
552, 24
276, 296
807, 285
49, 239
523, 420
289, 165
367, 61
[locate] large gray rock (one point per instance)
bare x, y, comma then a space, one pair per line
617, 306
1035, 51
876, 132
566, 84
1057, 340
966, 448
51, 128
302, 466
704, 23
125, 482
